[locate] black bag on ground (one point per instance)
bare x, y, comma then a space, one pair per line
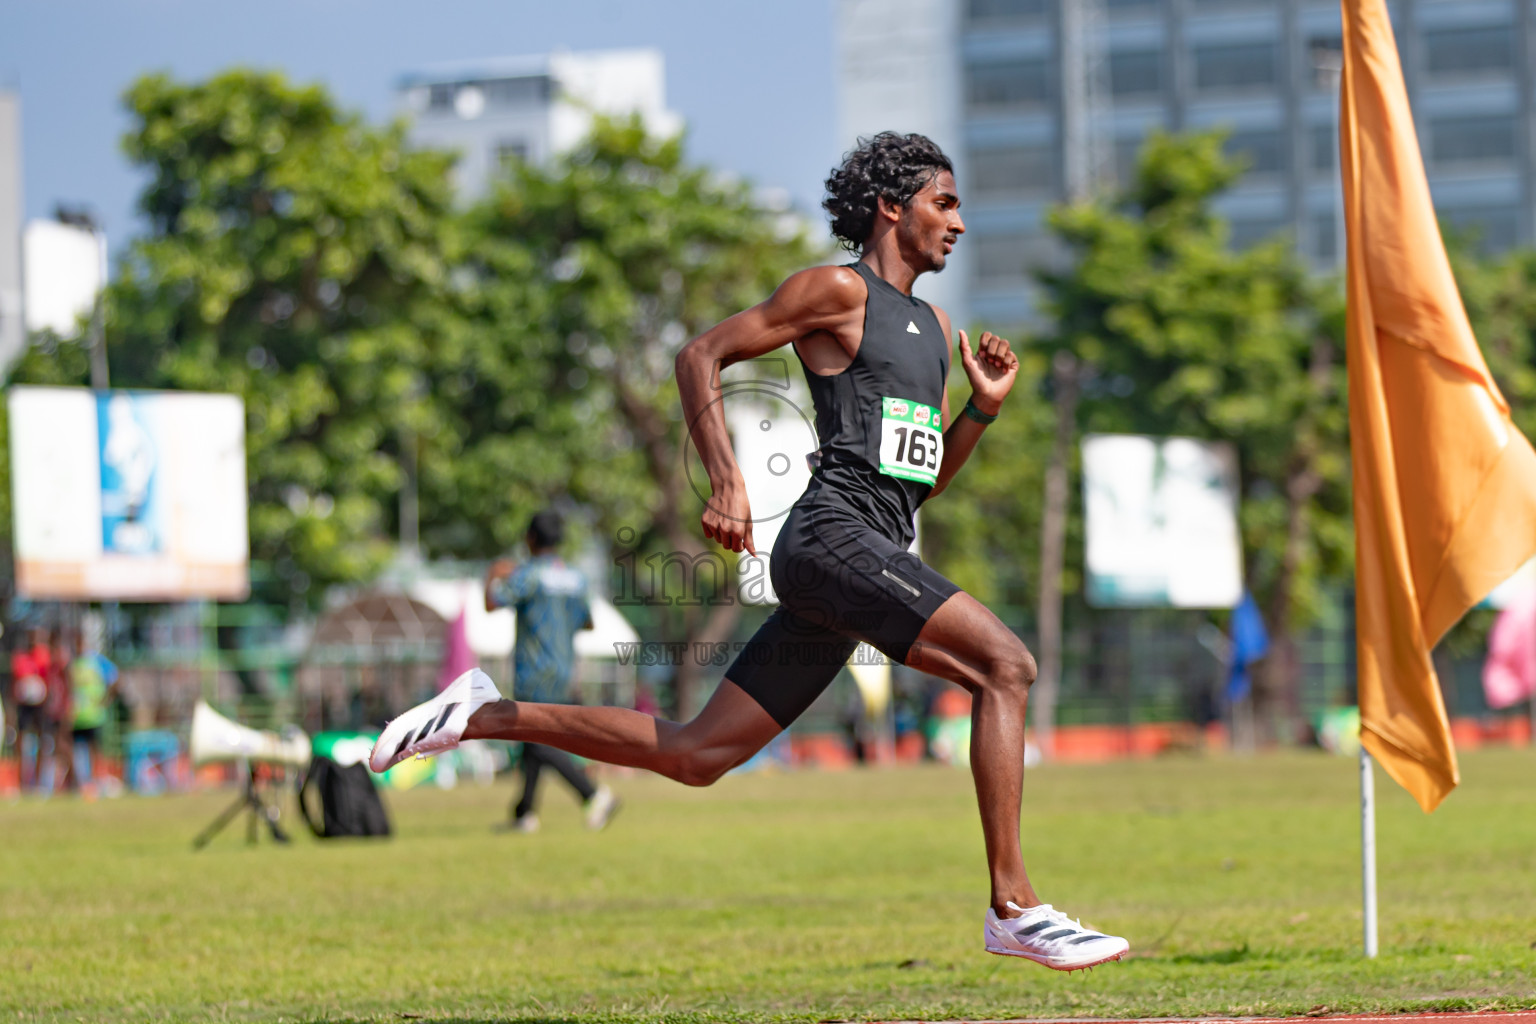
349, 803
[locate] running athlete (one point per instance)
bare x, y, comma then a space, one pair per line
876, 360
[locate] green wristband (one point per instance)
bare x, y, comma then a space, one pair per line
976, 414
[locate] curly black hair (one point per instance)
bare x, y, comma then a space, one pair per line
890, 166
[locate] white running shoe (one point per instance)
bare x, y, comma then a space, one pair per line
436, 725
601, 808
527, 824
1047, 936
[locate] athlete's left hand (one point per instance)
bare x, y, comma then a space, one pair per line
991, 370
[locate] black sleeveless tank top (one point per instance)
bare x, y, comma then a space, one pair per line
878, 420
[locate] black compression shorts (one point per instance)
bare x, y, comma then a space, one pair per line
838, 582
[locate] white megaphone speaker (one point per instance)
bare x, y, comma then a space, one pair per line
215, 738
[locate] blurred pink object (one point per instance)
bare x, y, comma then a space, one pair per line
457, 657
1509, 674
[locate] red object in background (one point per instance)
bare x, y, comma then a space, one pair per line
824, 750
33, 664
1509, 673
952, 702
909, 748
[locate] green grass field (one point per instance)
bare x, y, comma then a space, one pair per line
799, 896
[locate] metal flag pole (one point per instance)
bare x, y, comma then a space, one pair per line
1329, 64
1368, 852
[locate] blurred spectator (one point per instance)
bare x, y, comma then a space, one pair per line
928, 718
550, 599
1509, 673
857, 727
93, 686
9, 638
61, 705
31, 669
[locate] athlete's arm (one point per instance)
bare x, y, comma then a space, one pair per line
991, 369
827, 299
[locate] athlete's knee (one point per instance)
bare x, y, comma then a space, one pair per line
1028, 670
697, 761
704, 766
703, 770
1013, 670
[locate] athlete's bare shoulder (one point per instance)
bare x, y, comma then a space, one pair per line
828, 307
825, 301
822, 293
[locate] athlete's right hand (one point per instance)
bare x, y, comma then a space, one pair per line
728, 518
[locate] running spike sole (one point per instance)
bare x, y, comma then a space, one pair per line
1045, 962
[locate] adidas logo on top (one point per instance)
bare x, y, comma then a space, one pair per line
912, 327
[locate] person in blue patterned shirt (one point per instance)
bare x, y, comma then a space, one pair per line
550, 600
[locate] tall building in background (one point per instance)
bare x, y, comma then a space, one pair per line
529, 108
898, 69
1264, 69
13, 333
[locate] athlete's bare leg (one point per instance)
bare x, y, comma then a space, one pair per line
731, 728
966, 644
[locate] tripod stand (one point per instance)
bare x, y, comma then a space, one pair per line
252, 801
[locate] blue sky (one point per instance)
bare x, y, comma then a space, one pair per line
753, 80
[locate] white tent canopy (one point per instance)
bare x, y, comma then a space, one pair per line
491, 634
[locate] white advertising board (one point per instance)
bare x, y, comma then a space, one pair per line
1161, 518
128, 495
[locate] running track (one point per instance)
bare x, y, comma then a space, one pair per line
1515, 1017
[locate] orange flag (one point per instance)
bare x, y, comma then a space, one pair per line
1445, 485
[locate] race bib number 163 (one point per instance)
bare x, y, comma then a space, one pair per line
911, 440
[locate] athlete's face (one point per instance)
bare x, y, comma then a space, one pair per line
930, 224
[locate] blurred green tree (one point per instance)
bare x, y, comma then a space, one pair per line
1179, 334
608, 261
300, 259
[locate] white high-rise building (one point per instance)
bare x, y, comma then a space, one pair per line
898, 64
985, 78
530, 108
